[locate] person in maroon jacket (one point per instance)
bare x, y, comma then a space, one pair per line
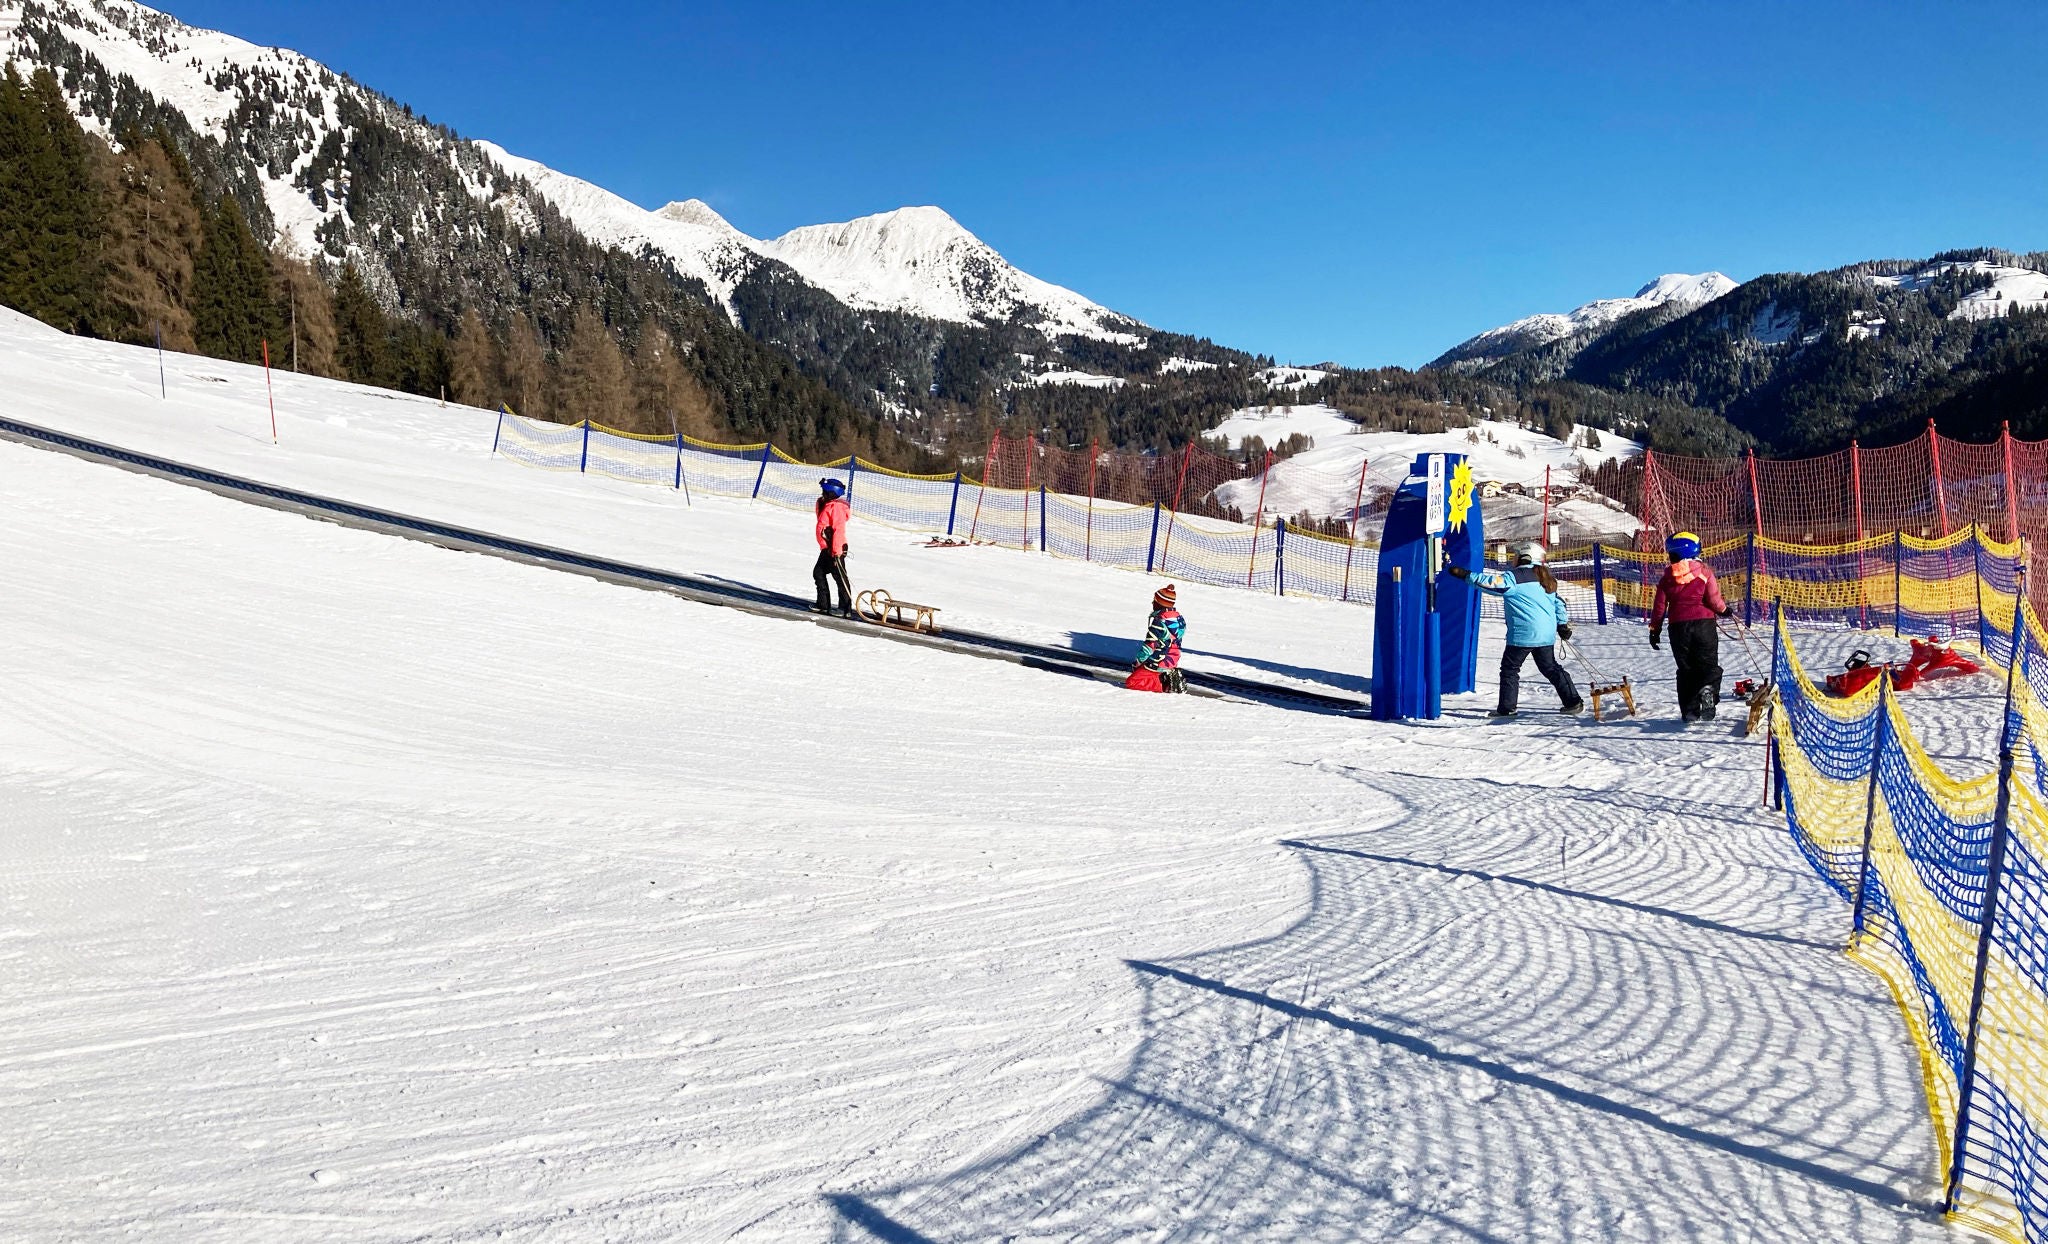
1690, 597
830, 568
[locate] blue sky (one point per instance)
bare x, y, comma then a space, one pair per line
1362, 182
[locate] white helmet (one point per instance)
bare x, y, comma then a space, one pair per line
1531, 553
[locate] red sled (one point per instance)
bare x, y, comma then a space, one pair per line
1932, 657
1142, 679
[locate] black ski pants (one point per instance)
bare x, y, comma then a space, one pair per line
831, 570
1546, 665
1696, 647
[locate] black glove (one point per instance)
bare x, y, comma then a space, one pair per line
1458, 572
1655, 638
1729, 612
844, 549
1565, 631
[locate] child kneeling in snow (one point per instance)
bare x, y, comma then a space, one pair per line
1536, 621
1158, 667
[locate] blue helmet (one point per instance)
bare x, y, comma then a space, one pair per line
833, 489
1684, 546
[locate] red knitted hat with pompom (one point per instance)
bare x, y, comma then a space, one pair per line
1163, 598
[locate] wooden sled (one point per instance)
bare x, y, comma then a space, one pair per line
947, 542
1759, 703
882, 609
1624, 689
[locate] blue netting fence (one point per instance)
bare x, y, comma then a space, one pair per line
1946, 878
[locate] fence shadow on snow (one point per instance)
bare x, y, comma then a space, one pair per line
1545, 1023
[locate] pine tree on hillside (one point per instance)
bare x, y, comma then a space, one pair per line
358, 329
524, 366
234, 309
306, 309
50, 207
667, 396
593, 372
154, 232
473, 362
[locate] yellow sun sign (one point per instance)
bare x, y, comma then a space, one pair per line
1461, 495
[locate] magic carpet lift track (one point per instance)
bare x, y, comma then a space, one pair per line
757, 601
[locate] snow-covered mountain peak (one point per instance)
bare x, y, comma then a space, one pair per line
917, 260
695, 212
1681, 287
921, 260
1672, 289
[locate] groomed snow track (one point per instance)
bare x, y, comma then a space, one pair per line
702, 590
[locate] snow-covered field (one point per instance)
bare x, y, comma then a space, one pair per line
355, 889
1323, 482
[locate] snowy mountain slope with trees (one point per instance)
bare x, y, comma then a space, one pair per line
1673, 290
382, 892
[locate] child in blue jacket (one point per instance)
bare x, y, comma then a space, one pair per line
1536, 621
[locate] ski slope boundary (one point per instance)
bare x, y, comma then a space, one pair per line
696, 588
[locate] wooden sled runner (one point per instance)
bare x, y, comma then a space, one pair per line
1597, 691
882, 609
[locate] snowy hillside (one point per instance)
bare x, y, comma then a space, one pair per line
920, 260
1676, 290
916, 260
1323, 482
2009, 289
361, 890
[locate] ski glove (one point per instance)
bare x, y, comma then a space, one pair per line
1655, 639
1565, 631
1458, 572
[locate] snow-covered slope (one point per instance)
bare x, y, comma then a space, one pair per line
920, 260
1323, 482
1672, 289
916, 260
2010, 289
358, 890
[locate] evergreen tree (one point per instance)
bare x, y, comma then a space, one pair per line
154, 232
307, 312
234, 309
593, 372
525, 370
667, 396
50, 207
473, 362
358, 329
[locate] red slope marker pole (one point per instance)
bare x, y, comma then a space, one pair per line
268, 391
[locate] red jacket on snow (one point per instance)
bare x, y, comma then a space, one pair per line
1689, 593
832, 519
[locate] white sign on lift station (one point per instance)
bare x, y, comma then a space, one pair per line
1435, 518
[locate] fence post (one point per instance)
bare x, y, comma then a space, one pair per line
1771, 707
852, 465
1094, 452
1856, 491
1265, 473
953, 506
1024, 498
679, 456
1977, 580
1041, 517
1994, 873
1599, 585
1877, 741
2012, 501
1351, 529
1279, 554
585, 464
1173, 514
988, 473
1898, 583
1749, 581
763, 474
1152, 544
495, 432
